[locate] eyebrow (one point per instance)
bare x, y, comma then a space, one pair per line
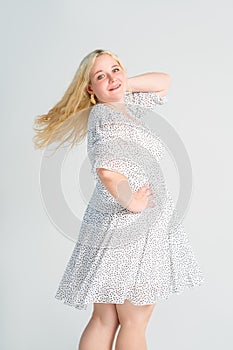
115, 65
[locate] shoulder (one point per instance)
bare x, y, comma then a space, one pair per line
95, 114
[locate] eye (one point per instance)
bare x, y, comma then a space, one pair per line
99, 76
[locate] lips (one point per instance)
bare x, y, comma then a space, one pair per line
115, 88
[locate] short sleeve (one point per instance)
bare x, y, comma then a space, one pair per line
110, 149
145, 99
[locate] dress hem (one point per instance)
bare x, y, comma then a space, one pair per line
158, 298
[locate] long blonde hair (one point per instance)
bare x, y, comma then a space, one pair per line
70, 114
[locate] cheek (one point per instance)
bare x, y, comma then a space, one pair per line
100, 87
122, 76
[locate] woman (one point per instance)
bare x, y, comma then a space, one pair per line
132, 249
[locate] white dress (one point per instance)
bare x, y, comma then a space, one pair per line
143, 257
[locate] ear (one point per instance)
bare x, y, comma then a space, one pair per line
89, 89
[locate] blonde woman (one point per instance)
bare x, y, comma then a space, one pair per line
132, 251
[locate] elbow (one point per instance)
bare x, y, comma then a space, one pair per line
167, 81
103, 172
165, 84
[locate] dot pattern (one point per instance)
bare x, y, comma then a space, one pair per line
142, 257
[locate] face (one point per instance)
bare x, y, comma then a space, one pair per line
108, 80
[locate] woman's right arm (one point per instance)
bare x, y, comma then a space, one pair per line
118, 186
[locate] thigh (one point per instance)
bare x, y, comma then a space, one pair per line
106, 313
129, 313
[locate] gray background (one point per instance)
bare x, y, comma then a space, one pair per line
42, 45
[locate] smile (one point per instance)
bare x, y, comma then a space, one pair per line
115, 87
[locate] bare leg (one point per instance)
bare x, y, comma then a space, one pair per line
100, 330
133, 320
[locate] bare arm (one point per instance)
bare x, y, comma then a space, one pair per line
152, 81
111, 180
118, 186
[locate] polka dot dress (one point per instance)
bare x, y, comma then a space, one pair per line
143, 257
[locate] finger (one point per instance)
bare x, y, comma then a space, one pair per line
145, 186
144, 189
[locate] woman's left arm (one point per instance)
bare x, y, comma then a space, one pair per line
153, 81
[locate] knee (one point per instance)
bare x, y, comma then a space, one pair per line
103, 320
137, 320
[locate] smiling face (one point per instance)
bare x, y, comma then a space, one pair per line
108, 80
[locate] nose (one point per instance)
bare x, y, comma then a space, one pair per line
112, 78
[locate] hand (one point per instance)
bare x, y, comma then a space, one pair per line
140, 199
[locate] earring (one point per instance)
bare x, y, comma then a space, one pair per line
93, 99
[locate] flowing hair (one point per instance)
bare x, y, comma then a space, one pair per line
70, 114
